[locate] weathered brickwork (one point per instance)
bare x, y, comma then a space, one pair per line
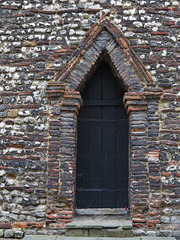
48, 51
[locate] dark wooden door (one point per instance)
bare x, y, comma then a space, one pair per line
102, 152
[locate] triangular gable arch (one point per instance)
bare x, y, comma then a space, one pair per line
102, 40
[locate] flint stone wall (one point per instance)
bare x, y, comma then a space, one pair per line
36, 39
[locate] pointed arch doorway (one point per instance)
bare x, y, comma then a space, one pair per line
64, 94
102, 148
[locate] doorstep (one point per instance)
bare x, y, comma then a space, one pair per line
99, 227
100, 222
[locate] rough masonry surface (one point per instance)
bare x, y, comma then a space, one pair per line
40, 100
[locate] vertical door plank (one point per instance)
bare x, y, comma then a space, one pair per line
108, 156
83, 145
108, 83
121, 162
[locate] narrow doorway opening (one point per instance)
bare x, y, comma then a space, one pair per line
102, 147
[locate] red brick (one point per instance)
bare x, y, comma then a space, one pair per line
65, 220
19, 225
35, 224
52, 216
57, 225
159, 33
5, 225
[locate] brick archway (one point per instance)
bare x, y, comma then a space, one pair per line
103, 39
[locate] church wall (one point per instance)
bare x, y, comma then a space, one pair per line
36, 39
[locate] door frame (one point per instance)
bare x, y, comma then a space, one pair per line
65, 116
65, 101
63, 150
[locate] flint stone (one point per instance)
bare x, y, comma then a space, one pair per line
40, 214
165, 219
26, 201
52, 232
151, 233
3, 107
8, 233
2, 172
41, 208
3, 114
139, 232
29, 232
176, 234
29, 43
15, 193
165, 233
18, 234
1, 233
43, 232
175, 219
60, 205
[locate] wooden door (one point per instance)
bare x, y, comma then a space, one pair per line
102, 150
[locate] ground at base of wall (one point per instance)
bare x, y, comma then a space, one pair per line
52, 237
138, 235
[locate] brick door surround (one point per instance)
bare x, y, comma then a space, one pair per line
104, 39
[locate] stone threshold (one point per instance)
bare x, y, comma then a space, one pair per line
54, 237
100, 211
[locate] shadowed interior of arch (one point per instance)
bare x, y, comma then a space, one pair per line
103, 59
102, 150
